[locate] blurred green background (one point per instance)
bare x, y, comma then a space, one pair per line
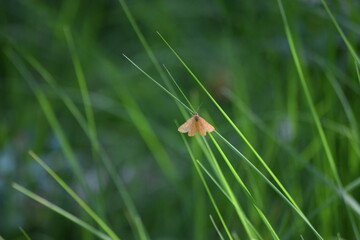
239, 50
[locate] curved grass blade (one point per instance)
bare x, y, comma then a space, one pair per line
232, 201
24, 233
60, 211
81, 203
301, 214
216, 228
130, 206
147, 48
158, 84
206, 187
249, 228
292, 201
246, 190
341, 32
357, 71
330, 200
314, 113
348, 112
52, 119
181, 91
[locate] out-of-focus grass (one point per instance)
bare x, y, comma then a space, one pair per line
117, 129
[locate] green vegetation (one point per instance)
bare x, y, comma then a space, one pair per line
93, 94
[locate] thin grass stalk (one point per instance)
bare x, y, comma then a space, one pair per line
292, 201
213, 202
73, 195
314, 113
60, 211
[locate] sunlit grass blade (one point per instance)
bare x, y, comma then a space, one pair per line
246, 190
73, 195
231, 199
249, 228
301, 214
292, 201
213, 202
313, 110
341, 32
60, 211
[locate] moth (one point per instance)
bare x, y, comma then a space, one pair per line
196, 124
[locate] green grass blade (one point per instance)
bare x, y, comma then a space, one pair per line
64, 97
206, 187
52, 119
216, 228
334, 197
308, 95
256, 120
292, 201
24, 233
357, 71
147, 48
60, 211
180, 90
81, 203
300, 213
83, 88
249, 228
232, 201
158, 84
341, 32
313, 110
134, 215
348, 112
246, 190
214, 181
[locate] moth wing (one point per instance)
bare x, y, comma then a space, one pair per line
186, 127
193, 129
207, 127
201, 128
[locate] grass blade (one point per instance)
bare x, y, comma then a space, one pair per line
25, 234
313, 110
341, 32
216, 228
60, 211
206, 187
292, 201
82, 204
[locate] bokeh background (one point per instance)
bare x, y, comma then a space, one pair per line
239, 50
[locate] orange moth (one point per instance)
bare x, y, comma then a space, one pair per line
196, 124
